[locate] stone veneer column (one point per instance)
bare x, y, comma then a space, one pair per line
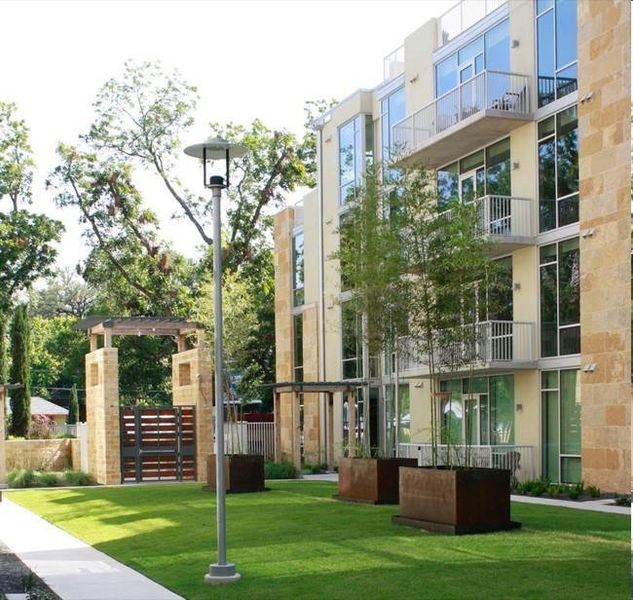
311, 402
284, 222
192, 385
102, 414
3, 471
604, 53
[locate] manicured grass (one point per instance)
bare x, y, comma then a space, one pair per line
296, 542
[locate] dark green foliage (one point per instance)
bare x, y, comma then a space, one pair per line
46, 479
576, 490
314, 469
281, 470
20, 373
21, 478
593, 491
623, 500
4, 325
73, 407
76, 478
534, 487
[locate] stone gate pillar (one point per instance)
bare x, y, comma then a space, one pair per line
192, 385
102, 415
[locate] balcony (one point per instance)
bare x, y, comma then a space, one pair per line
393, 64
495, 346
474, 114
506, 221
463, 15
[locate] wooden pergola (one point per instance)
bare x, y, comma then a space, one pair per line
108, 327
328, 388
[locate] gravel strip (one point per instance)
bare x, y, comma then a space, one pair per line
14, 574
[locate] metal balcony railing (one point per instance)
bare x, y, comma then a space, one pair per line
490, 342
393, 64
502, 217
493, 92
518, 459
461, 16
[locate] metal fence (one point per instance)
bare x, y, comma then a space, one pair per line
250, 438
488, 90
518, 459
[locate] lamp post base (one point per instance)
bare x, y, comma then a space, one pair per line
219, 574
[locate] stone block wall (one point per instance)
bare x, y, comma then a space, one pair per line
192, 385
284, 222
102, 415
43, 455
604, 61
313, 452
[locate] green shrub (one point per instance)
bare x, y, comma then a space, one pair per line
76, 478
576, 490
314, 469
594, 491
534, 487
280, 470
20, 478
624, 500
46, 479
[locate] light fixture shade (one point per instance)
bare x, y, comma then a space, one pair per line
215, 149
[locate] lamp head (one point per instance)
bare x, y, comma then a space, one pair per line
215, 148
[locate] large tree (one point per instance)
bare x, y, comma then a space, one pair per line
26, 239
64, 294
20, 373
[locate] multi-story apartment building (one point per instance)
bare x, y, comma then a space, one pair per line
523, 108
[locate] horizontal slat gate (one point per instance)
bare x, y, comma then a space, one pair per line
158, 444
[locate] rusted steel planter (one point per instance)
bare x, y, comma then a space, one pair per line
242, 473
371, 480
455, 501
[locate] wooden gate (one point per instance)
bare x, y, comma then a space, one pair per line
158, 443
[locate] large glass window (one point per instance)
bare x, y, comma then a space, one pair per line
298, 347
392, 110
560, 298
560, 398
556, 32
558, 170
298, 295
485, 172
489, 51
478, 410
356, 148
351, 342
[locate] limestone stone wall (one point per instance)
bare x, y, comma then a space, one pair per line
313, 452
604, 60
284, 222
102, 415
192, 384
43, 455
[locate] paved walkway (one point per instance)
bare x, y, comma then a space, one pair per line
71, 568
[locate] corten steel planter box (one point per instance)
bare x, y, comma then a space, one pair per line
456, 501
371, 480
242, 473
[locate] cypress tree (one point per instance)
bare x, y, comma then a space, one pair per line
20, 373
73, 407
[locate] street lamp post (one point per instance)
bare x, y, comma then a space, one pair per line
218, 149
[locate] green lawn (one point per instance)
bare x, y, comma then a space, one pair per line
296, 542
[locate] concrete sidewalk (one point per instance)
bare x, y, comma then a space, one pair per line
71, 568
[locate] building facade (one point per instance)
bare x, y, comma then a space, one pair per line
522, 108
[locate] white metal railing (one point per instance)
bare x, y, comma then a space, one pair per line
250, 438
518, 459
502, 216
488, 90
490, 342
393, 64
463, 15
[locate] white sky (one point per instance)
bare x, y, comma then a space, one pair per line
248, 59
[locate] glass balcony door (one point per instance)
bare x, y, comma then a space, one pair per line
472, 185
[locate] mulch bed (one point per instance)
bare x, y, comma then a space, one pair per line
14, 575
